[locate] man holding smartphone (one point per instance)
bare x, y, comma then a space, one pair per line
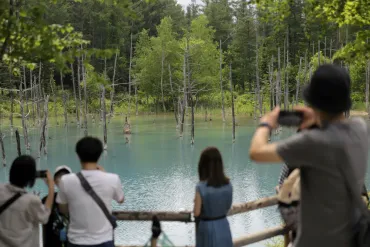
327, 215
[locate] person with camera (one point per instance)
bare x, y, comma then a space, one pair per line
326, 157
22, 212
55, 230
87, 197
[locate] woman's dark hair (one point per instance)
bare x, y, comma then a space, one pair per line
211, 168
23, 172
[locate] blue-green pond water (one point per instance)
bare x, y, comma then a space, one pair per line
159, 170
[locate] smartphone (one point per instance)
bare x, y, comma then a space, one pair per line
290, 118
41, 174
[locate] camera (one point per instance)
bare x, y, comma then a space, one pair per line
41, 174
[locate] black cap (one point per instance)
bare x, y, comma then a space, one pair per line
329, 89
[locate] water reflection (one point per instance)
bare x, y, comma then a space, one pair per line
159, 170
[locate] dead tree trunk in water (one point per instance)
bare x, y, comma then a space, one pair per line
173, 95
286, 81
2, 149
162, 63
85, 94
129, 78
232, 102
367, 79
258, 90
271, 78
318, 52
183, 105
46, 123
104, 114
24, 122
222, 88
43, 128
75, 96
64, 100
278, 80
25, 86
32, 98
113, 88
54, 99
298, 83
17, 137
11, 111
79, 89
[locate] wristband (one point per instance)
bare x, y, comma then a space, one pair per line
266, 125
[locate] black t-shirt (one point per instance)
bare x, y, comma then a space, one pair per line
51, 229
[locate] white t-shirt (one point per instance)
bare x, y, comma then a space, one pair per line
88, 224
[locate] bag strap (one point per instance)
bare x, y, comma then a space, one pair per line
96, 198
9, 202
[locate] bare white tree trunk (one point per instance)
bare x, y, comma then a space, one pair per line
278, 80
64, 100
24, 122
2, 149
18, 140
286, 97
271, 78
11, 111
298, 82
104, 114
79, 89
330, 50
85, 94
258, 89
129, 78
222, 87
113, 88
183, 105
43, 128
173, 95
232, 102
46, 124
367, 79
162, 64
75, 96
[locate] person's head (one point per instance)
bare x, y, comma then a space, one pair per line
329, 92
23, 172
211, 168
60, 171
89, 149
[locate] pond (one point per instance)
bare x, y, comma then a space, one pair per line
159, 170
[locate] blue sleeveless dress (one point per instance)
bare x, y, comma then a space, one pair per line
216, 202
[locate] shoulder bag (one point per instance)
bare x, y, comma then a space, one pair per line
97, 199
9, 202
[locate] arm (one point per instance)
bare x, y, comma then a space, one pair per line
197, 204
118, 193
261, 150
62, 198
50, 197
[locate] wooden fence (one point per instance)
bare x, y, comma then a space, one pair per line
187, 217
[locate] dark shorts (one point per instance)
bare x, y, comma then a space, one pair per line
106, 244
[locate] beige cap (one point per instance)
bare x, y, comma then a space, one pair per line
60, 168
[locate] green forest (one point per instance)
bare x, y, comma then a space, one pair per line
156, 56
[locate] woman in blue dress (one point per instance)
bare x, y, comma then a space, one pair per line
213, 199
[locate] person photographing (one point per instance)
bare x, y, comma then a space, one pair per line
55, 230
22, 212
327, 213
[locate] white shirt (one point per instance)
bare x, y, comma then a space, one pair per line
88, 224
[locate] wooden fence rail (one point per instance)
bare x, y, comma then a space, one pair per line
186, 216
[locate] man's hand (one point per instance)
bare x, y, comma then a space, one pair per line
271, 118
309, 116
49, 180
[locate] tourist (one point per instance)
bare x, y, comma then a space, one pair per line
326, 214
213, 198
90, 224
54, 234
22, 212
